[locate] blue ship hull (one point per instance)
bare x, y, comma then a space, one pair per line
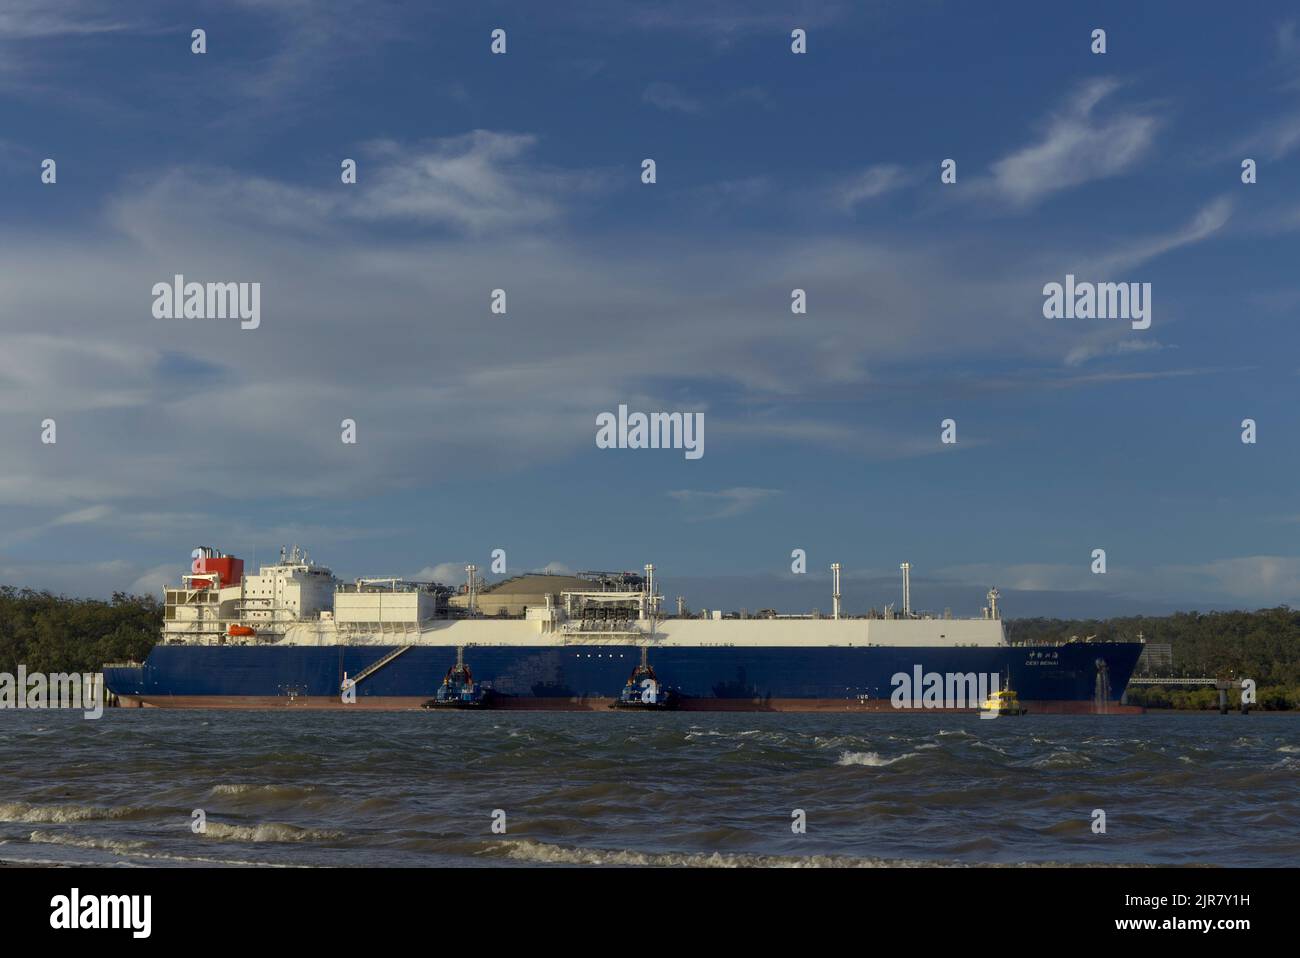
1055, 678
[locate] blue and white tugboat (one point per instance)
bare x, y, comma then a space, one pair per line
458, 689
644, 691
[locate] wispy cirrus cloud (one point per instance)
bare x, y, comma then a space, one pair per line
722, 503
1208, 220
670, 97
868, 184
299, 56
1099, 346
42, 19
1115, 339
1081, 143
476, 183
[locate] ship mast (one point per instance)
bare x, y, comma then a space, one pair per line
650, 599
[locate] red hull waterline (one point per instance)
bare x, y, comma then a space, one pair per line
593, 704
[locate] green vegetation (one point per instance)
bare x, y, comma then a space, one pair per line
1270, 698
1263, 645
50, 633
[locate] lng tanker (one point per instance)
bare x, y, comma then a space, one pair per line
294, 635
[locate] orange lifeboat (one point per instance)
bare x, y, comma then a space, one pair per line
242, 630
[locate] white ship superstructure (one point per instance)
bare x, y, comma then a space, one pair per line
295, 602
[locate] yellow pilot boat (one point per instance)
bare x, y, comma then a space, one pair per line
1004, 702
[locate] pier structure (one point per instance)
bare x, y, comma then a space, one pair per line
1197, 681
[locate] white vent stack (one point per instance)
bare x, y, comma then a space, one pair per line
907, 589
993, 596
835, 589
650, 586
471, 587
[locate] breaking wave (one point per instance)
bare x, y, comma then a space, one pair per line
268, 832
55, 814
872, 759
268, 791
542, 853
117, 846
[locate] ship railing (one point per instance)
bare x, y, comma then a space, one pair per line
380, 628
374, 667
597, 627
604, 637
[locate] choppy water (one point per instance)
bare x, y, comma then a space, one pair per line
328, 788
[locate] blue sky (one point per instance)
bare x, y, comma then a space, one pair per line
775, 171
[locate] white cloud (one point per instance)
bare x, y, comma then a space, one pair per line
1246, 581
447, 573
302, 51
81, 516
1275, 140
1107, 345
474, 182
1252, 579
42, 19
723, 503
392, 329
668, 96
1207, 221
154, 581
872, 182
1077, 147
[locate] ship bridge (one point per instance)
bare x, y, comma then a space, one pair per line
218, 604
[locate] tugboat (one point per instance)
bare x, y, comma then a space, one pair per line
458, 689
1004, 701
644, 692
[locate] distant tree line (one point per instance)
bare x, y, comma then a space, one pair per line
1262, 645
50, 633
